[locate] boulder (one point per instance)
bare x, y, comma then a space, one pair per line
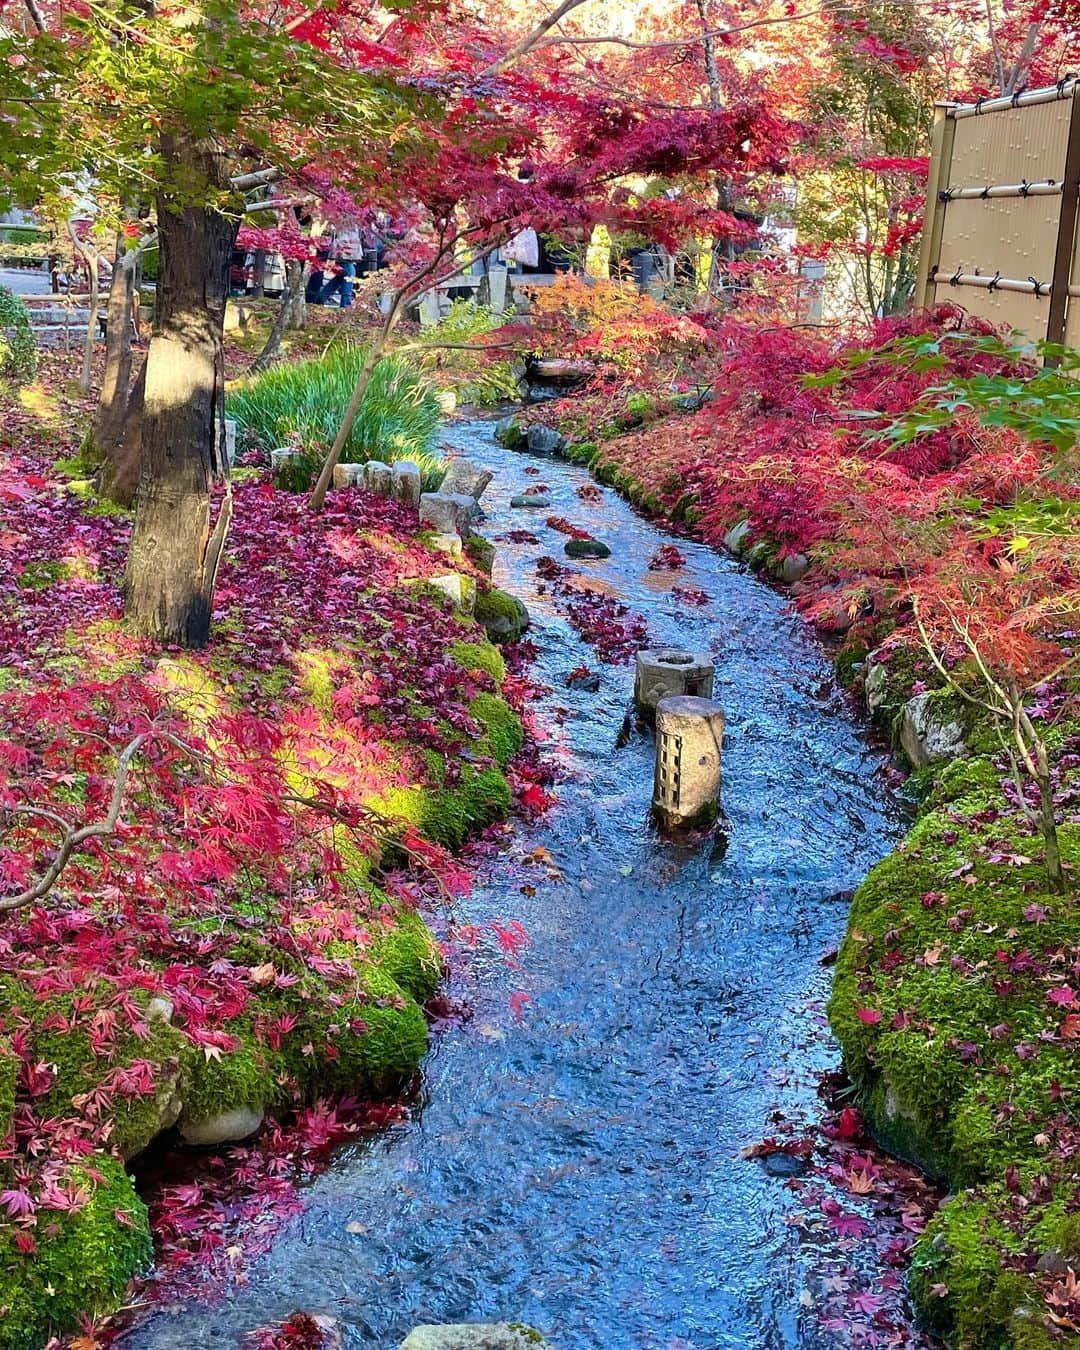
407, 484
794, 567
466, 478
461, 590
476, 1336
509, 432
876, 686
240, 1122
737, 540
447, 401
538, 501
503, 616
929, 730
543, 440
379, 477
447, 543
348, 475
447, 512
586, 548
168, 1106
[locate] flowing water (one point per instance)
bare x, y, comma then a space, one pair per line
574, 1160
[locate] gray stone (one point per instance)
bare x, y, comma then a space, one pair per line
226, 1127
230, 441
537, 501
466, 478
876, 686
476, 1336
503, 616
929, 733
379, 477
785, 1164
459, 589
159, 1009
662, 671
407, 482
544, 441
348, 475
509, 432
737, 540
447, 401
447, 543
447, 512
794, 567
283, 457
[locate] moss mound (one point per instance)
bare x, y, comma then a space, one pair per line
83, 1262
952, 1003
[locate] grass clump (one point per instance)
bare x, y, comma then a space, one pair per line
302, 404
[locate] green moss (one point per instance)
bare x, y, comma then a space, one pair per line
483, 656
41, 574
243, 1077
478, 798
501, 726
369, 1043
9, 1077
481, 551
503, 616
83, 1263
409, 955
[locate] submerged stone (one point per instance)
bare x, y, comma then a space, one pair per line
224, 1128
586, 548
536, 500
476, 1336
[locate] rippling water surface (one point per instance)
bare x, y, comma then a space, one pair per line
579, 1169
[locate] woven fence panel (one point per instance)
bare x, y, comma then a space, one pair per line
1011, 237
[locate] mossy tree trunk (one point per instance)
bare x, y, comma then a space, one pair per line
180, 523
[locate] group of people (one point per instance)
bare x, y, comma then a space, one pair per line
352, 253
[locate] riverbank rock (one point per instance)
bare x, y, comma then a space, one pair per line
543, 440
407, 482
510, 432
458, 588
447, 512
224, 1128
737, 539
794, 567
538, 501
929, 731
379, 477
476, 1336
586, 548
466, 479
503, 616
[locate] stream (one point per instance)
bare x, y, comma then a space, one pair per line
573, 1160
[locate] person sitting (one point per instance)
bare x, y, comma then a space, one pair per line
347, 249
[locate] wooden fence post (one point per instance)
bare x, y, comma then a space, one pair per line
934, 219
1066, 237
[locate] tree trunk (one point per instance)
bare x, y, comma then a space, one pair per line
119, 356
120, 476
291, 314
180, 530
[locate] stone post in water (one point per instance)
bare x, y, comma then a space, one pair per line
689, 744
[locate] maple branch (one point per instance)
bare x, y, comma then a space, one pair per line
36, 15
244, 182
535, 38
73, 839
